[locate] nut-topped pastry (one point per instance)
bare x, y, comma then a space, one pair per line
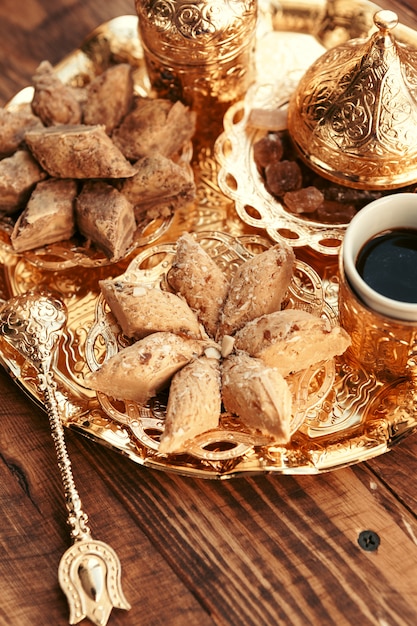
69, 133
139, 371
142, 309
78, 151
194, 404
291, 340
257, 287
247, 370
199, 280
259, 394
48, 216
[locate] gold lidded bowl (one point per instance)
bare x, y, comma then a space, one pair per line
353, 115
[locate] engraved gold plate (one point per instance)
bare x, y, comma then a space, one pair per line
294, 53
345, 415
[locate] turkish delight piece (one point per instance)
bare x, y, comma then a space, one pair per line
78, 151
48, 216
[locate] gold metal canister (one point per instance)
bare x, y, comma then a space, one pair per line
200, 52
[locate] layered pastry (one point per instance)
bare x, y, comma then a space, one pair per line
194, 404
19, 174
109, 97
78, 151
154, 126
257, 287
53, 101
197, 277
291, 340
142, 309
139, 371
258, 394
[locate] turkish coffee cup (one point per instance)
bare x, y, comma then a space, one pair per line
378, 285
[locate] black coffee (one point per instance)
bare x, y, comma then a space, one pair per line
388, 264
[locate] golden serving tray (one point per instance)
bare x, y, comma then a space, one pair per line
345, 415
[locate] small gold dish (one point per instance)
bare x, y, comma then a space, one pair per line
353, 115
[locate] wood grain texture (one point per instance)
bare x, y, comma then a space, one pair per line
256, 551
46, 30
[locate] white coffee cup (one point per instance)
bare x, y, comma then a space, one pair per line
394, 211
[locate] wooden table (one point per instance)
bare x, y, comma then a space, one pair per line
262, 551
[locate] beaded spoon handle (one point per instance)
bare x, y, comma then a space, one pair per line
89, 571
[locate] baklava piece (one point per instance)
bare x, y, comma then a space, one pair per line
109, 97
48, 216
197, 277
259, 395
13, 125
141, 309
194, 404
154, 126
258, 287
291, 340
159, 181
139, 371
18, 176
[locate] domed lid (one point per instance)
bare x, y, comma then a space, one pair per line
353, 116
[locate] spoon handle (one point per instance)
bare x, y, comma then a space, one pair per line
77, 519
89, 571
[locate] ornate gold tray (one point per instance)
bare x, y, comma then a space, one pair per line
344, 414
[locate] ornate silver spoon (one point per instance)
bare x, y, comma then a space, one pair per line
89, 572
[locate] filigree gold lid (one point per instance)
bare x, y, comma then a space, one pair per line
353, 116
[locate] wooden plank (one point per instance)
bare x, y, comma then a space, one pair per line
46, 30
397, 470
261, 551
277, 547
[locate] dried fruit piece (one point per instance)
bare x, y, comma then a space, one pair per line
335, 212
282, 177
305, 200
267, 150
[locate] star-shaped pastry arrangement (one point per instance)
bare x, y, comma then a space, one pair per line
216, 343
